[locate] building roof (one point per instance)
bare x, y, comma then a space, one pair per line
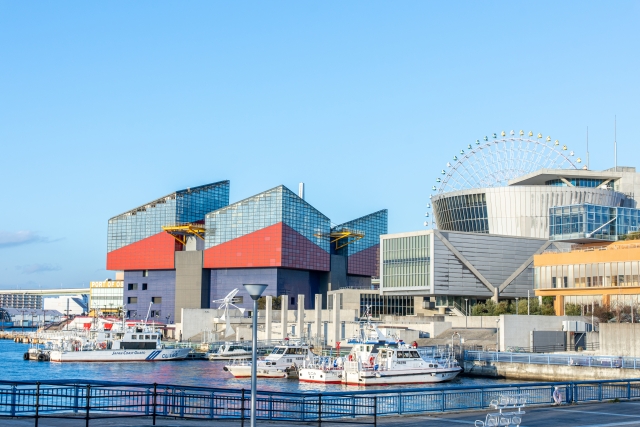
540, 177
170, 196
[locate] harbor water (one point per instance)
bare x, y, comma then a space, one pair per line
202, 373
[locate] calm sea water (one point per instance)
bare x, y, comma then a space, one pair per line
203, 373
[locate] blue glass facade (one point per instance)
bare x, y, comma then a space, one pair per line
372, 226
183, 206
263, 210
592, 222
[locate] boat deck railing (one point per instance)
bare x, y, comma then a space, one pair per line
594, 361
76, 399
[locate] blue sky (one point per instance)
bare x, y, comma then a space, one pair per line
107, 105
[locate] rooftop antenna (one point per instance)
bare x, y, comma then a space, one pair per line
615, 145
587, 147
301, 190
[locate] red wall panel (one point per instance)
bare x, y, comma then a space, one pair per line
365, 263
275, 246
153, 253
300, 253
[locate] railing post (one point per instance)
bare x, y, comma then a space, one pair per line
14, 390
600, 392
442, 402
319, 409
400, 404
88, 406
353, 406
375, 411
37, 402
242, 409
155, 395
76, 400
629, 390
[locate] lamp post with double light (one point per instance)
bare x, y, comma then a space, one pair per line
255, 291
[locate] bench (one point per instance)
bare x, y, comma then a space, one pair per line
500, 419
510, 401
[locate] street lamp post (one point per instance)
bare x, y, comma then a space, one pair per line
528, 305
517, 305
497, 335
255, 291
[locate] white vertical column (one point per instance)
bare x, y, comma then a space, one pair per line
318, 317
300, 327
267, 318
284, 312
336, 318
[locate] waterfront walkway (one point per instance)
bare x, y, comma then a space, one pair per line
583, 415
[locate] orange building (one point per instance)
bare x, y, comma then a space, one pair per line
600, 274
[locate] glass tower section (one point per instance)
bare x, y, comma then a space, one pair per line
190, 205
592, 222
363, 254
278, 205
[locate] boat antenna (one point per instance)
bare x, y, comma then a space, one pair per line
148, 312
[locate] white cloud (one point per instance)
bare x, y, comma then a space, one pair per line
38, 268
10, 239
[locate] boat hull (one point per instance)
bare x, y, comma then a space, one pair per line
395, 377
321, 376
244, 371
120, 355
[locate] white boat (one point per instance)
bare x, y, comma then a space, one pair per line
138, 344
283, 362
402, 365
327, 370
230, 351
368, 332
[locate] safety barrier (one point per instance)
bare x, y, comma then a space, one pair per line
94, 400
554, 359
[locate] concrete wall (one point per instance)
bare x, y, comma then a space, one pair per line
525, 371
620, 339
515, 331
191, 290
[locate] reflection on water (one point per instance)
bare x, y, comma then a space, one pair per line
201, 373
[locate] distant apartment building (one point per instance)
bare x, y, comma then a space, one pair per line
19, 300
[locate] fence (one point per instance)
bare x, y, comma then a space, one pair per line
554, 359
94, 400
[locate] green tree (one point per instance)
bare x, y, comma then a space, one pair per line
572, 310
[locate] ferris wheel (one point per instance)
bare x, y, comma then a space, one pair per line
494, 161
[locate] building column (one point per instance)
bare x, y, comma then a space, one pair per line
284, 312
300, 316
336, 318
558, 305
496, 294
267, 318
318, 316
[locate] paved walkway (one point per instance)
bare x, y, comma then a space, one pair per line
586, 415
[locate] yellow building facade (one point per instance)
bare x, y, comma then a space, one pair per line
106, 297
600, 274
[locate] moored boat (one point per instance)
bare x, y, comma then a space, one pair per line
402, 365
283, 362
